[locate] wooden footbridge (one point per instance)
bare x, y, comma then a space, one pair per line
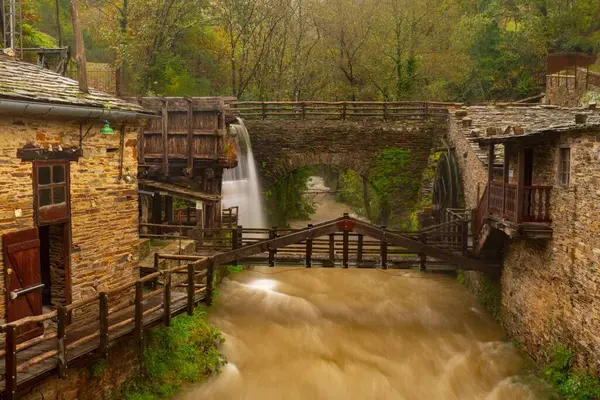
130, 309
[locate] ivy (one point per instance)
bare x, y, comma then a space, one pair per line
568, 382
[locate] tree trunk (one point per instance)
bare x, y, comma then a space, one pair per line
79, 48
366, 199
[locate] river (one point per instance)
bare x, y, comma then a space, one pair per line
296, 333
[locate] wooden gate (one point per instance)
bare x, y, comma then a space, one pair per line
23, 280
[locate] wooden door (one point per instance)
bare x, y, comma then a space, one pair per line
21, 272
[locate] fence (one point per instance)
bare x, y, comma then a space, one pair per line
345, 110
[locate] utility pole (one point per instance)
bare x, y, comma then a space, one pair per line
79, 49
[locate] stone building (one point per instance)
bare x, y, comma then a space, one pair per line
68, 191
569, 81
538, 207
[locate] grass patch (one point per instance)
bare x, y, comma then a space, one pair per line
186, 352
98, 369
235, 269
158, 243
568, 382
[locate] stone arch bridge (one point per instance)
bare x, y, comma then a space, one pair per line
289, 136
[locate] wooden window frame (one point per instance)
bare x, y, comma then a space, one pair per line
53, 213
561, 173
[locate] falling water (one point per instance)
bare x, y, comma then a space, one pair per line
241, 186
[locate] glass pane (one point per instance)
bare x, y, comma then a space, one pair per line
59, 195
58, 174
44, 175
45, 197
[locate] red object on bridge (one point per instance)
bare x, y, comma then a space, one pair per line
346, 225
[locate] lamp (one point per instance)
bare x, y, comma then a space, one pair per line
106, 129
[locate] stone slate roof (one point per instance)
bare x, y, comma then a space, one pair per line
555, 130
20, 80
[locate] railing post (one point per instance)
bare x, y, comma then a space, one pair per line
167, 299
385, 110
62, 315
303, 108
235, 241
103, 302
345, 244
309, 245
384, 251
359, 250
344, 110
332, 248
209, 283
139, 315
465, 238
426, 110
264, 110
272, 252
10, 363
156, 261
191, 288
423, 255
547, 206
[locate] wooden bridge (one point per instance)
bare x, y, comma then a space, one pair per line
133, 307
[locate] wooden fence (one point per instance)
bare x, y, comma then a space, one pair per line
136, 310
344, 110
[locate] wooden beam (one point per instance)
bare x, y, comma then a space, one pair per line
63, 317
167, 299
309, 246
139, 315
520, 182
103, 349
491, 157
10, 373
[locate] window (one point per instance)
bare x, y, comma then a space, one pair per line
51, 184
564, 166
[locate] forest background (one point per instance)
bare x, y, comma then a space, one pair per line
444, 50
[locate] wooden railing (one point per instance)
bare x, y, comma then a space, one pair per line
344, 110
535, 202
135, 310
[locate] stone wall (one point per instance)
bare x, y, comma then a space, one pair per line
570, 90
91, 379
549, 289
282, 146
104, 209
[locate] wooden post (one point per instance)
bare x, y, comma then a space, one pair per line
359, 250
520, 183
309, 246
384, 251
264, 110
190, 289
272, 252
236, 242
165, 137
345, 248
63, 318
505, 178
139, 315
491, 156
209, 283
190, 137
10, 362
167, 299
385, 110
423, 255
156, 261
156, 212
169, 209
344, 110
426, 110
465, 238
103, 302
303, 107
332, 248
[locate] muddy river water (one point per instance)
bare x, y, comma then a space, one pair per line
296, 333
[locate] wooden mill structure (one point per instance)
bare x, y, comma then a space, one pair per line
181, 159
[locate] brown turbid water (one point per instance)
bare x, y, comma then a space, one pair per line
303, 334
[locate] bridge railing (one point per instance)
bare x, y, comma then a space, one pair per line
343, 110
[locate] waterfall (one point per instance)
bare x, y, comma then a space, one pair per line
241, 186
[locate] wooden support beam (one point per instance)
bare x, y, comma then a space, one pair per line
520, 182
210, 281
491, 157
63, 318
332, 248
10, 363
157, 213
167, 299
190, 288
103, 303
359, 250
423, 254
272, 252
384, 251
139, 315
309, 246
506, 176
165, 137
168, 208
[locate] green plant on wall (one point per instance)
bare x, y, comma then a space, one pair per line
568, 382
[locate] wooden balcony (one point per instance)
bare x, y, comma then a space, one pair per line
531, 204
